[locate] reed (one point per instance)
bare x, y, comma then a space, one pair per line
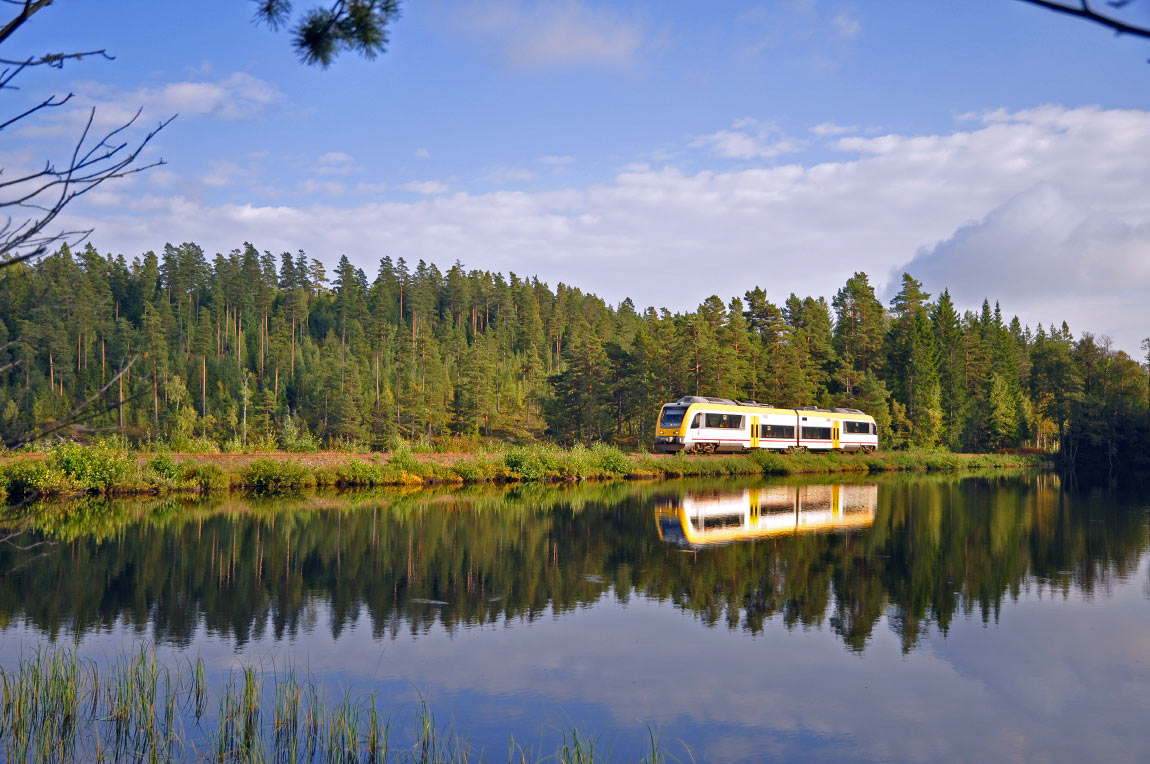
57, 707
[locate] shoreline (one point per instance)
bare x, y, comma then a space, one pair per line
103, 469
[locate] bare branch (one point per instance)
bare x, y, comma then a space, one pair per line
51, 189
1084, 11
48, 103
30, 7
56, 60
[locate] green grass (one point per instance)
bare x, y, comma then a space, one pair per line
56, 707
108, 468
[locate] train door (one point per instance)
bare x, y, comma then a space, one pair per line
835, 434
754, 432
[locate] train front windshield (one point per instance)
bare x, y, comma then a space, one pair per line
672, 417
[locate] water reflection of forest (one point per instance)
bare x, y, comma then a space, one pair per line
930, 548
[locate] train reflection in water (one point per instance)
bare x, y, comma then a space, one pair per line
707, 519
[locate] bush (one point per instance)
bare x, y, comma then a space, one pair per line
164, 466
96, 467
271, 476
612, 460
402, 459
348, 445
205, 477
480, 470
296, 438
32, 477
526, 463
358, 473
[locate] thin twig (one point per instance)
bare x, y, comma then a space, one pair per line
1084, 11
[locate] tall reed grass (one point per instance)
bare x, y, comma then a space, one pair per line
56, 707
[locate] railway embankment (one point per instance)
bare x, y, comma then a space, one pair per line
109, 469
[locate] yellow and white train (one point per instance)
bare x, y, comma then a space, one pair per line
699, 520
709, 425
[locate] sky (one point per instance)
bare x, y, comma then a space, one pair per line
663, 151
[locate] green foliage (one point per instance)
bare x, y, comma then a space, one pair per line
403, 459
356, 473
181, 443
528, 463
273, 476
95, 467
295, 436
611, 460
164, 466
33, 477
201, 476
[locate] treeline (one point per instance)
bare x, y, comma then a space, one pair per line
256, 350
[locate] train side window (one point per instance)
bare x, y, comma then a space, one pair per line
779, 431
697, 421
724, 421
873, 429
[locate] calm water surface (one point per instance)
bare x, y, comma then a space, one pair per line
904, 619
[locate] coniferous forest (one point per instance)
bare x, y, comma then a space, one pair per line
255, 350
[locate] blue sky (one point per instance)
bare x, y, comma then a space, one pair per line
659, 150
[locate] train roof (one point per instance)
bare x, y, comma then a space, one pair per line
722, 403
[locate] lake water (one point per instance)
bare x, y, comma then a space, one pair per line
900, 619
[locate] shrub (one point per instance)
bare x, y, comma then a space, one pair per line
164, 466
94, 467
402, 459
358, 473
526, 463
271, 476
348, 445
295, 436
479, 470
612, 460
204, 477
31, 477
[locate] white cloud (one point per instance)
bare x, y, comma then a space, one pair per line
422, 153
1059, 259
503, 174
235, 97
226, 174
426, 187
748, 139
555, 160
1046, 186
558, 33
830, 128
335, 163
311, 186
238, 96
845, 23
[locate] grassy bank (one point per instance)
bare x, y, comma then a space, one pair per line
110, 469
56, 706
